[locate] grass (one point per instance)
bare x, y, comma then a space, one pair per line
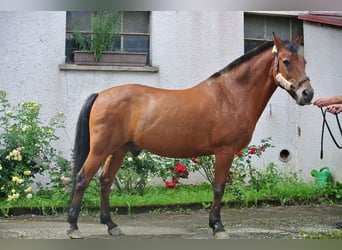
319, 235
55, 201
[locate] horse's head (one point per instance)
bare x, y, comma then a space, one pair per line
289, 70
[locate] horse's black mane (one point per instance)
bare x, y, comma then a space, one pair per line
291, 46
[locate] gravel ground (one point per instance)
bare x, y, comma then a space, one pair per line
246, 223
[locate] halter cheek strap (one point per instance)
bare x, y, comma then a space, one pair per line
280, 78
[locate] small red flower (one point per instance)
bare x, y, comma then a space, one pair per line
239, 154
175, 181
252, 151
262, 148
181, 170
170, 184
195, 160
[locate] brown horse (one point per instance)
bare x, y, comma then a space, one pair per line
217, 116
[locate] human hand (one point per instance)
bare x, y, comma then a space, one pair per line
322, 101
335, 109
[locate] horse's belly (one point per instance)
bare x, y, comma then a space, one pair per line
170, 143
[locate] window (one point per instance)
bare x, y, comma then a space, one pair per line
260, 28
134, 35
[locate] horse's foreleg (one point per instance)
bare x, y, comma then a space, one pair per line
222, 166
83, 178
113, 163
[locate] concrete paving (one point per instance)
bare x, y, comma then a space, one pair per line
246, 223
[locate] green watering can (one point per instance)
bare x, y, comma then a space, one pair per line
323, 177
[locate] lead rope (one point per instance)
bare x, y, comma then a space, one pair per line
325, 122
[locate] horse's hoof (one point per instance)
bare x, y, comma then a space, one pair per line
221, 235
75, 234
116, 231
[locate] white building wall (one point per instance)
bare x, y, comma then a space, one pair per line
324, 59
31, 47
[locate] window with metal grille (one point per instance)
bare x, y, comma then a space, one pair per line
134, 35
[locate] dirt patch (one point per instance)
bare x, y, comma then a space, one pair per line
247, 223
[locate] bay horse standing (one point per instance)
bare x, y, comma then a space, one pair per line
217, 116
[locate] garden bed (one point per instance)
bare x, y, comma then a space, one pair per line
154, 199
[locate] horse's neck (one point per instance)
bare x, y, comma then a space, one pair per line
256, 81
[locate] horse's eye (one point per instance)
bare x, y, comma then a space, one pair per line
286, 62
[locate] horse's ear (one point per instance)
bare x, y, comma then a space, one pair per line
298, 40
277, 42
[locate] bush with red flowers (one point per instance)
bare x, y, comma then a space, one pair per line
147, 165
241, 168
178, 171
242, 164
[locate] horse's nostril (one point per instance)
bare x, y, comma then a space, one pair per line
307, 95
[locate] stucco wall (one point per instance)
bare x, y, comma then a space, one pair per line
323, 54
32, 46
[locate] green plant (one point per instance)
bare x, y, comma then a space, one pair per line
135, 173
105, 30
241, 169
205, 166
61, 173
105, 27
25, 146
82, 41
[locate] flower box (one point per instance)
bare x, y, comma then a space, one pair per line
111, 58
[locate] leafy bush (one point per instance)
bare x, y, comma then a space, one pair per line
135, 173
241, 169
25, 146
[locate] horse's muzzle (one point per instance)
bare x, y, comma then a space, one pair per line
304, 96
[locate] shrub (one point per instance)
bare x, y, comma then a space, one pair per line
241, 169
135, 173
25, 146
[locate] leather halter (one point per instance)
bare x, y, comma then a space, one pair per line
283, 82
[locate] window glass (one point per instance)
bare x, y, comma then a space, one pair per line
254, 27
278, 25
135, 22
136, 43
297, 30
78, 20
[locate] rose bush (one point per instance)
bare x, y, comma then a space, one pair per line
135, 173
177, 171
25, 146
241, 169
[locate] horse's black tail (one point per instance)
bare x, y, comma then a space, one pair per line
82, 139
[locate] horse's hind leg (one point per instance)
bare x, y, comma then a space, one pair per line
113, 163
83, 178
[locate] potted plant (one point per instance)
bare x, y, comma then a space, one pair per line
96, 50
